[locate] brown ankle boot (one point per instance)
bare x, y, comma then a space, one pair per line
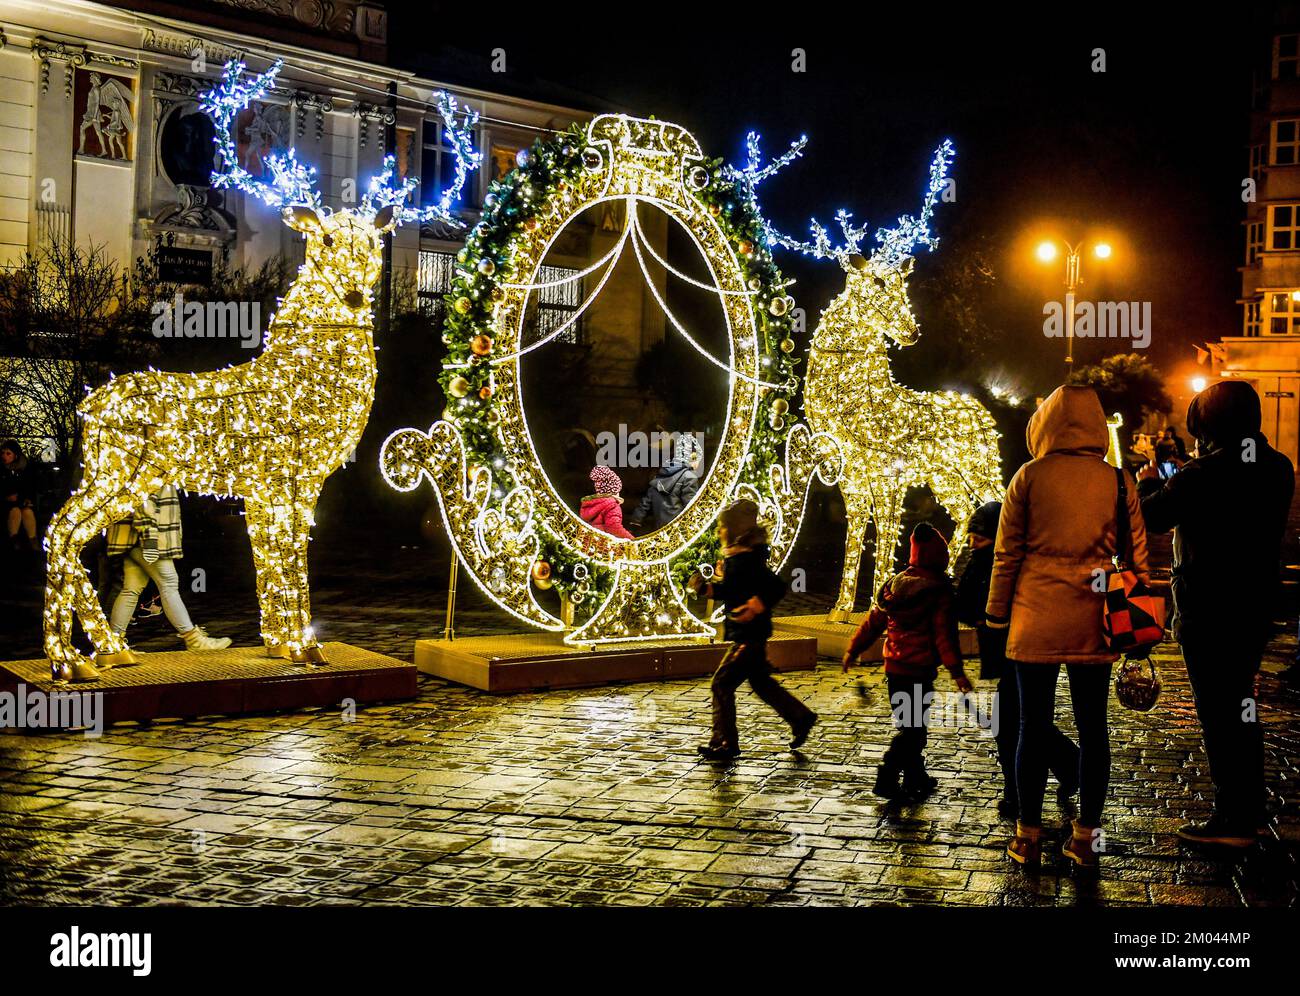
1083, 846
1026, 847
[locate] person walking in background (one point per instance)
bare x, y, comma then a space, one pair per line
971, 599
604, 509
18, 492
1228, 510
673, 486
149, 542
914, 610
1057, 537
749, 590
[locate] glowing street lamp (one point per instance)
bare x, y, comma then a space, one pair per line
1198, 384
1046, 253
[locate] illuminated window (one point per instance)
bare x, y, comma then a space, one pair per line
1254, 240
555, 305
1286, 142
501, 161
438, 167
1250, 323
1286, 57
434, 276
1284, 226
1284, 312
1257, 162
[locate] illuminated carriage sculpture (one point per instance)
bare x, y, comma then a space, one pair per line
508, 526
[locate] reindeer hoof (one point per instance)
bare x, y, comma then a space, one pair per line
83, 670
123, 658
278, 650
310, 655
839, 616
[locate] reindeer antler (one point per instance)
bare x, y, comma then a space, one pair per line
291, 181
294, 183
383, 192
898, 242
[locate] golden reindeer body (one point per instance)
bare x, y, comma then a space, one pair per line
270, 431
892, 438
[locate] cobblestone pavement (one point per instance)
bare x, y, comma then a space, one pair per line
586, 796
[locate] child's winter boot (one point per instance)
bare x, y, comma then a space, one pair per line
1083, 846
1026, 847
887, 786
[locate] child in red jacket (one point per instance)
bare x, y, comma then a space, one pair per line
915, 612
604, 509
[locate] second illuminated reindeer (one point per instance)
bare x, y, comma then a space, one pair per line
892, 437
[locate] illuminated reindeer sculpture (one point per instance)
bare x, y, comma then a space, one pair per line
271, 430
892, 437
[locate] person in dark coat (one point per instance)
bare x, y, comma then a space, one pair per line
914, 611
971, 598
748, 590
1228, 510
673, 486
18, 493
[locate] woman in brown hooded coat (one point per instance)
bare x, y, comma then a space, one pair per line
1056, 538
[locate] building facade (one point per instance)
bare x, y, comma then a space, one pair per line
102, 143
1267, 352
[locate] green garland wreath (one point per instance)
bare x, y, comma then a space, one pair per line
511, 201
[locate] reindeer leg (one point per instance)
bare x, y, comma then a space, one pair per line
92, 507
270, 578
888, 516
858, 513
298, 593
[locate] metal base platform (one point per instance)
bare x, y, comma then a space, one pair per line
532, 661
235, 681
833, 637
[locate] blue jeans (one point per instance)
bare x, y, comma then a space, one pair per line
1089, 696
136, 575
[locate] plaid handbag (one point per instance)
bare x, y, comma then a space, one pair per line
1133, 618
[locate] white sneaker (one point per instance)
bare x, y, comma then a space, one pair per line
196, 639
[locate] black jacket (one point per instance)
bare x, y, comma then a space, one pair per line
671, 491
744, 576
972, 596
1228, 514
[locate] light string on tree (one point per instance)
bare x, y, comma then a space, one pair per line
270, 431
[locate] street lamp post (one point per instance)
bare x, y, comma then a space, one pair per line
1047, 253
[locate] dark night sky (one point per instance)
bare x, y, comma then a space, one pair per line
1152, 151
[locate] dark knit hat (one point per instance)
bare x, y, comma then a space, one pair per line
605, 480
740, 520
929, 548
984, 521
1225, 413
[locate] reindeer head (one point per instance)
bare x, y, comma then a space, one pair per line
346, 246
876, 286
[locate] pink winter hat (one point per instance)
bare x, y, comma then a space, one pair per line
606, 481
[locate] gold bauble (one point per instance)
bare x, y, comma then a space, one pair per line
541, 570
746, 247
543, 583
777, 306
496, 294
780, 406
458, 387
715, 209
530, 225
463, 304
481, 345
487, 267
787, 345
485, 392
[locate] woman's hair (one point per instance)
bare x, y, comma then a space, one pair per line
12, 446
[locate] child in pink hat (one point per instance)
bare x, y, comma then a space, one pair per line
604, 509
